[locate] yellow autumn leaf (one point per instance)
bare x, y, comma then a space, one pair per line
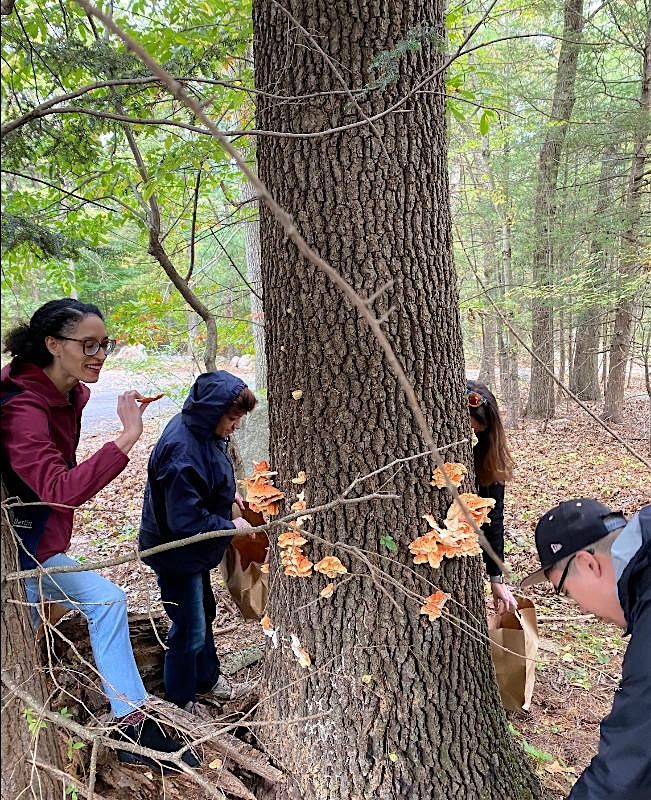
216, 763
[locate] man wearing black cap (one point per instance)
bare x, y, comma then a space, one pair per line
591, 554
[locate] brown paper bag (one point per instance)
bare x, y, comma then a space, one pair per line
515, 670
241, 565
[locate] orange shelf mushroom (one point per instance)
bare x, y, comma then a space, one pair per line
330, 566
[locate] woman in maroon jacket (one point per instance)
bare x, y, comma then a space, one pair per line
43, 395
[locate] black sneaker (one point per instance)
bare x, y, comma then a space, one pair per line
148, 733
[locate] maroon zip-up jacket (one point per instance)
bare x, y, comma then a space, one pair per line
40, 433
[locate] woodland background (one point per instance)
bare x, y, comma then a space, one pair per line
479, 174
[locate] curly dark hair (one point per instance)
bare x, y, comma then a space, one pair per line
493, 461
26, 342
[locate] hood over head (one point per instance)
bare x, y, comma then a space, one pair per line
211, 394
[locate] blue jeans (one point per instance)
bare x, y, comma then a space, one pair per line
191, 663
105, 607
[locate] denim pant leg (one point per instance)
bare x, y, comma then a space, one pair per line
183, 601
207, 661
105, 607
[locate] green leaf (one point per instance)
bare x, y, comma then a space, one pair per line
484, 123
389, 542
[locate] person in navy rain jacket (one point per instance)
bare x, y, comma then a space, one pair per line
191, 489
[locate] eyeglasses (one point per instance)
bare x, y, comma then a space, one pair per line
92, 346
559, 588
475, 399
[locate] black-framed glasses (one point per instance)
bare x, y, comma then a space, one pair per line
91, 347
475, 399
558, 589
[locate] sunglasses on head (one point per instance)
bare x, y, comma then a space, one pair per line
475, 399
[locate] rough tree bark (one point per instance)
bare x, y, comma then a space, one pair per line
585, 372
252, 247
621, 341
409, 707
21, 662
541, 393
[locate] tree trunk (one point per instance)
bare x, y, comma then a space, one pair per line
621, 341
585, 372
24, 740
541, 393
562, 353
506, 342
157, 250
604, 353
395, 706
631, 360
252, 246
509, 367
489, 323
488, 351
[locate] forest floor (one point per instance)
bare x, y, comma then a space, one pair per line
579, 656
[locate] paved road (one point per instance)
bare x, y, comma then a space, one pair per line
100, 415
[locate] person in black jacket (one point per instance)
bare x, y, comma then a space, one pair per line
591, 554
191, 489
493, 464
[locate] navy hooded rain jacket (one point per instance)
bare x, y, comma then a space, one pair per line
190, 480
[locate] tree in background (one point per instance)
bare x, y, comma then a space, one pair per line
541, 391
634, 262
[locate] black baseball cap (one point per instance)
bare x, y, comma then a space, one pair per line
569, 527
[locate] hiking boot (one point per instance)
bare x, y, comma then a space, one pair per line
148, 733
223, 691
